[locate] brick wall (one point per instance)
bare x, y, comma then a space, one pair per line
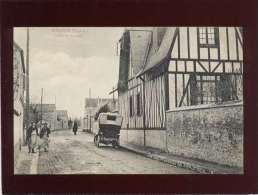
213, 133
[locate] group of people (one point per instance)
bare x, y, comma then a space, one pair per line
38, 140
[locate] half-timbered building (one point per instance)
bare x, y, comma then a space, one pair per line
167, 68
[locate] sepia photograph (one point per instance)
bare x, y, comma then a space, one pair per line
128, 100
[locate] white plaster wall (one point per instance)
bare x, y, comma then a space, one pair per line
156, 139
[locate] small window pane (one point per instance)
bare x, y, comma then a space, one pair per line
207, 36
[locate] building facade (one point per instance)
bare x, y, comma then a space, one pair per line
46, 112
62, 119
19, 90
168, 72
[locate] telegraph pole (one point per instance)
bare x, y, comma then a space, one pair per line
41, 107
27, 108
90, 108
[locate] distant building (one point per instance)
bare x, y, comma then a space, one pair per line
49, 114
92, 106
62, 119
19, 89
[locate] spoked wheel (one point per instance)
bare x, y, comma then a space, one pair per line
118, 144
97, 141
115, 144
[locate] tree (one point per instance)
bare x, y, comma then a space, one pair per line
103, 109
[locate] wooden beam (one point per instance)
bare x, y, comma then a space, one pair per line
176, 89
184, 93
178, 44
209, 55
188, 44
216, 88
202, 66
206, 73
166, 87
238, 36
176, 84
198, 43
201, 89
216, 67
237, 51
227, 43
204, 60
218, 39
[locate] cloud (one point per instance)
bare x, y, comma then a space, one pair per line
66, 62
69, 78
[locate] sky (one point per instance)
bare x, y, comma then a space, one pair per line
67, 62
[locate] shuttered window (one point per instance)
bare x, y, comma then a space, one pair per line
131, 106
138, 98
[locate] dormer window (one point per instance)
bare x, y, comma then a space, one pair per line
208, 37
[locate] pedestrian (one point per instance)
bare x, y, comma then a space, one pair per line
32, 134
75, 127
44, 137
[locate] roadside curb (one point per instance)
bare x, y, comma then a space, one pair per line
176, 162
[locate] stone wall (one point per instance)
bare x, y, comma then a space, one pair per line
209, 132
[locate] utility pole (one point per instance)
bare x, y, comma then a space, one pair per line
27, 107
41, 107
90, 108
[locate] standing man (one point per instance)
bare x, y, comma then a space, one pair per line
44, 135
32, 134
75, 127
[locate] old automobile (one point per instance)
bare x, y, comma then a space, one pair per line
108, 129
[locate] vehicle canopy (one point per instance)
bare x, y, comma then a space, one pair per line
109, 118
110, 124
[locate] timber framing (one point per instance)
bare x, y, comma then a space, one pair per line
172, 82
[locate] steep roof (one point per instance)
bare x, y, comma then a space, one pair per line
163, 51
139, 42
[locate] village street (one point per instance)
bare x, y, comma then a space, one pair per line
70, 154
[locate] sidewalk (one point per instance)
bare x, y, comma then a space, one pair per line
200, 166
26, 162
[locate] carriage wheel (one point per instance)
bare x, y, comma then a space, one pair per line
94, 140
118, 143
97, 141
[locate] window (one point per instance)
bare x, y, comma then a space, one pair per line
208, 36
211, 89
207, 88
111, 117
138, 98
131, 106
